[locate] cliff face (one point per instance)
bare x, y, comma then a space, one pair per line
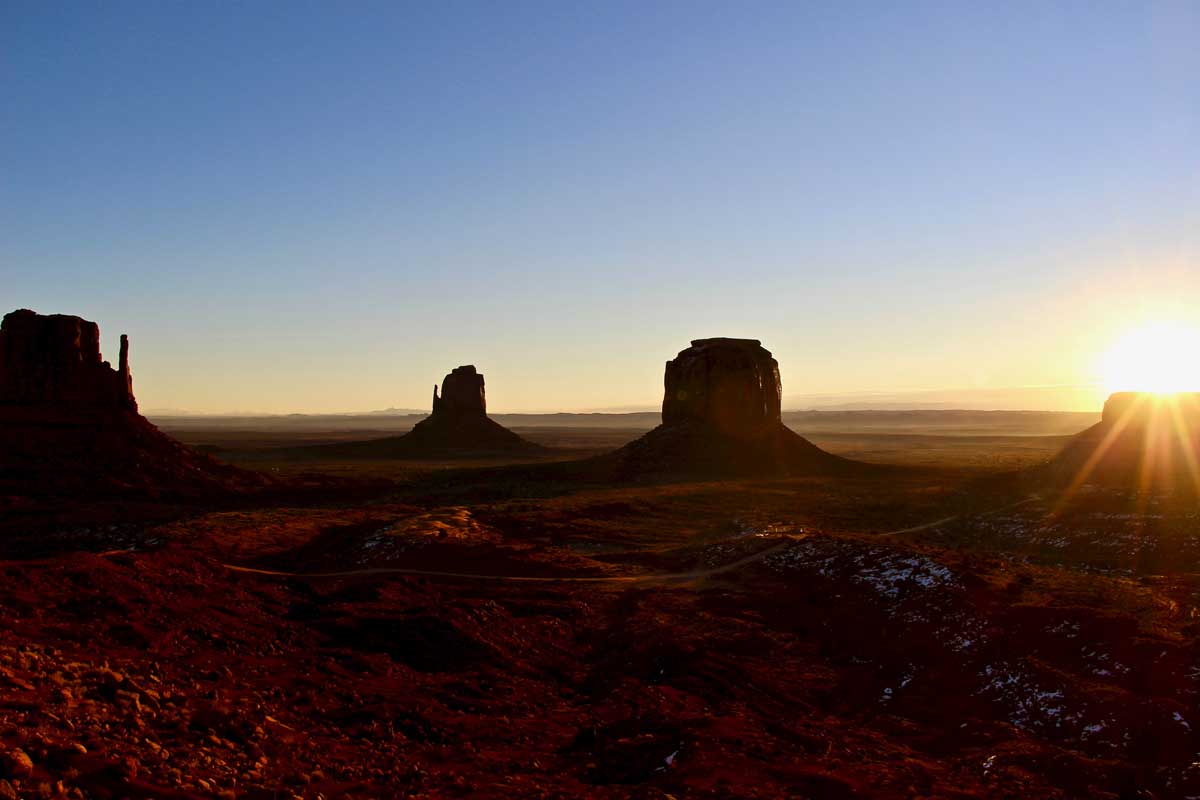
729, 384
69, 423
462, 394
55, 361
721, 418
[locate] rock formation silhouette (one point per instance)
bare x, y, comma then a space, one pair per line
69, 422
1143, 441
54, 361
721, 417
459, 427
462, 394
731, 385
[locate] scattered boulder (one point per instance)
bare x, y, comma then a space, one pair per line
69, 422
1143, 441
721, 418
17, 763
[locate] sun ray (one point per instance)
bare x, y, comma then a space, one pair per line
1148, 465
1185, 436
1098, 453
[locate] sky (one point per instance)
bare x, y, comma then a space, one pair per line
317, 207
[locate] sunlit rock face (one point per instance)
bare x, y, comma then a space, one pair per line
54, 360
728, 384
462, 394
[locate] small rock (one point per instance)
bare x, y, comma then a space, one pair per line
127, 767
17, 763
7, 792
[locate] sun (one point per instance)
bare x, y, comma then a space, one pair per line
1161, 357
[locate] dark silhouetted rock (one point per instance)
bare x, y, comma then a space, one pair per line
721, 418
69, 422
459, 427
55, 361
1143, 441
729, 384
462, 394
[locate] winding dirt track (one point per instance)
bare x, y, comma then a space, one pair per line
664, 576
939, 522
697, 574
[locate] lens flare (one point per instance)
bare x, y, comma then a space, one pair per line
1163, 357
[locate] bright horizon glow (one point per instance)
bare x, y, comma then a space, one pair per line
314, 208
1160, 357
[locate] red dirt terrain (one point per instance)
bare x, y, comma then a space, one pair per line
837, 658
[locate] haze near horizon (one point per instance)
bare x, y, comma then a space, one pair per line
297, 209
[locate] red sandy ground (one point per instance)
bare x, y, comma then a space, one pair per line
934, 663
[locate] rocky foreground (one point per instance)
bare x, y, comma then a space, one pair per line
727, 640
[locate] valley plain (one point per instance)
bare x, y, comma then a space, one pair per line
470, 628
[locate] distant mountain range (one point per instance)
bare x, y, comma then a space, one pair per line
1021, 398
1025, 398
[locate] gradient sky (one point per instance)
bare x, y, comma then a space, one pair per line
326, 206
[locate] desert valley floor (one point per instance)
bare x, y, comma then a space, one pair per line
939, 628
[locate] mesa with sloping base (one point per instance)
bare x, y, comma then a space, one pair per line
1143, 441
721, 418
69, 423
459, 427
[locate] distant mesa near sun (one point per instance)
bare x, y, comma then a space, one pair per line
1144, 441
721, 417
1148, 437
69, 421
458, 427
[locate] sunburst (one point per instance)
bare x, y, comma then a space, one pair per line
1161, 357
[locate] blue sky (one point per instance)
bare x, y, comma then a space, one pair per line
326, 206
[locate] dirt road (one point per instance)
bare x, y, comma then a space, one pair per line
663, 576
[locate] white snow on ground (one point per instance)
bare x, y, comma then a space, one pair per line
1065, 628
807, 554
962, 631
887, 572
1031, 705
892, 576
